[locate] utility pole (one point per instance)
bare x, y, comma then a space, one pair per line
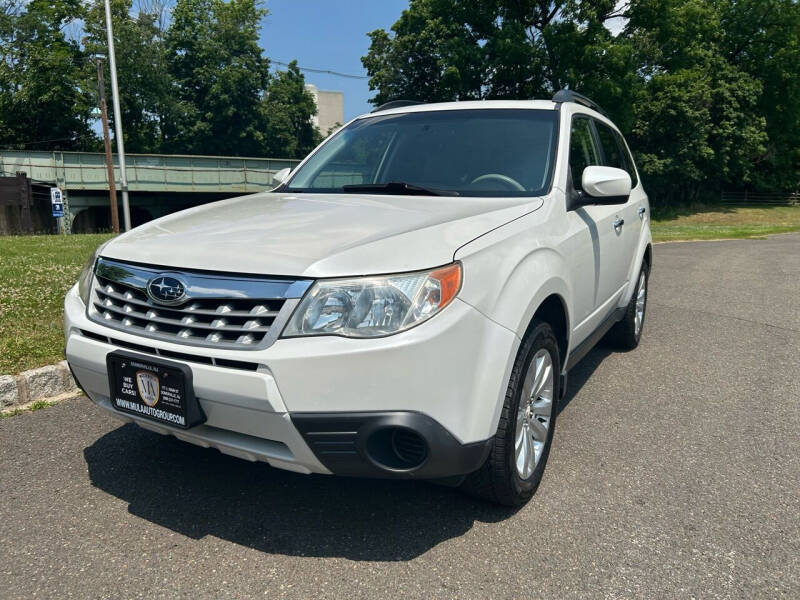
112, 188
112, 63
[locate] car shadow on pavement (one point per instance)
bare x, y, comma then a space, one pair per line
198, 492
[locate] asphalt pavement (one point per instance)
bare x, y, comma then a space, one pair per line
675, 473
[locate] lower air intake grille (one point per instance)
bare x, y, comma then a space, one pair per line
409, 446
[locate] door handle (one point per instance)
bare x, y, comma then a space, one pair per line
619, 223
641, 212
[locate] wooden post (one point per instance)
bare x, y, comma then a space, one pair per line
24, 186
112, 191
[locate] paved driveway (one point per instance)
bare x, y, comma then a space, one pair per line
675, 473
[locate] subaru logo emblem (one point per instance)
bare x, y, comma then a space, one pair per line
166, 289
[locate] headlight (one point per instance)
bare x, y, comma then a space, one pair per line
85, 280
375, 306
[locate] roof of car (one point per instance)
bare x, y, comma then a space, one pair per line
464, 105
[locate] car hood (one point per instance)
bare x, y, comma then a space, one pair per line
317, 235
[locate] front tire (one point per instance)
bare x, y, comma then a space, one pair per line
515, 465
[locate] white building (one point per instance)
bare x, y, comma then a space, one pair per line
330, 108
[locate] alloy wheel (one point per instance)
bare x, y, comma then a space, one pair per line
534, 413
641, 297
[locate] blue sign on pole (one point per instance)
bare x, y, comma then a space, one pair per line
57, 202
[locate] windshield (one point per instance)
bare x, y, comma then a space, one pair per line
472, 152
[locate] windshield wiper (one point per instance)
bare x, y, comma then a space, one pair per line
397, 187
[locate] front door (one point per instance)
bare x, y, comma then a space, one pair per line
615, 154
603, 231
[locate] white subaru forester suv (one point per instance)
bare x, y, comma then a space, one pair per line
406, 303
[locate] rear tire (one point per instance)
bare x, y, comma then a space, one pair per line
626, 334
515, 465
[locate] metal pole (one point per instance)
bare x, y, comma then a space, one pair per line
112, 192
126, 209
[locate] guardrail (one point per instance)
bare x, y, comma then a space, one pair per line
773, 199
147, 172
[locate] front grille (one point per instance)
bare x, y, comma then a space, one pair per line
233, 321
219, 311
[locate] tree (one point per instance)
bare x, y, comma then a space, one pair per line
288, 108
147, 104
220, 76
697, 126
464, 49
432, 56
696, 132
199, 86
42, 102
763, 39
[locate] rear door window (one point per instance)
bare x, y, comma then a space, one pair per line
612, 154
615, 152
627, 159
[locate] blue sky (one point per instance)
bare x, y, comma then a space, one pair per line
331, 35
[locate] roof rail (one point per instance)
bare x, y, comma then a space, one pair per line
395, 104
571, 96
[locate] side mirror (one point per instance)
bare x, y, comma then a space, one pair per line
604, 185
281, 176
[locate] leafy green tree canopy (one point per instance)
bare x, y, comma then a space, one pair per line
42, 104
192, 79
147, 103
288, 107
220, 76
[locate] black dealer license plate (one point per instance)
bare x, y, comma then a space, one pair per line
154, 389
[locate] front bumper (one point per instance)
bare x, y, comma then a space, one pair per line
444, 381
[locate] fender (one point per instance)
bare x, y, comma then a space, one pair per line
515, 306
510, 289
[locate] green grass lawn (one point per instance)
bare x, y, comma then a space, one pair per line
723, 222
36, 272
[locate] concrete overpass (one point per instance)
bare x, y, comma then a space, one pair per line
158, 183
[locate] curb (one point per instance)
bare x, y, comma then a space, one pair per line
36, 384
37, 404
